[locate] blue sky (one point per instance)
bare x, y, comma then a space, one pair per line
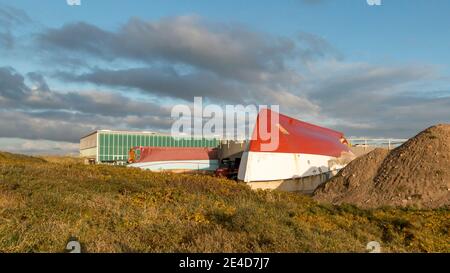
365, 70
399, 30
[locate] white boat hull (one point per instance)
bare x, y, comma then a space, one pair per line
269, 166
178, 165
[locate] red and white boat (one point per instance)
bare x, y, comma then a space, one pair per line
175, 159
305, 156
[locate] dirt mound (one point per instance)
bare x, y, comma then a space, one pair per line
419, 170
353, 183
416, 173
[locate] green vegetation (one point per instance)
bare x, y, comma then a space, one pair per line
118, 209
62, 159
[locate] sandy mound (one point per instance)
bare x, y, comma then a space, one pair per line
353, 183
416, 173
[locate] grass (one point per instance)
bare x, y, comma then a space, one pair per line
118, 209
62, 159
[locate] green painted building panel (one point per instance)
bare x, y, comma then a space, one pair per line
115, 146
108, 146
158, 141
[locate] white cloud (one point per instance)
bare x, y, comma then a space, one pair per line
38, 147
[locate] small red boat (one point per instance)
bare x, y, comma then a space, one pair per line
175, 159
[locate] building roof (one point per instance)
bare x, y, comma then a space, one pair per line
123, 132
136, 133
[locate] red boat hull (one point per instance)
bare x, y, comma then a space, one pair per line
177, 159
296, 136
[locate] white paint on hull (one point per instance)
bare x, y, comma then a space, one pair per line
267, 166
194, 165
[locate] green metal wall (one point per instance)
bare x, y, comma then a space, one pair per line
115, 146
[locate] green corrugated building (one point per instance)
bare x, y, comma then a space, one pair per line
106, 146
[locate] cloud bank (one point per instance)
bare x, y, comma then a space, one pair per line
128, 78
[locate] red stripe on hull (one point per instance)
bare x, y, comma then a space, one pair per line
151, 154
296, 136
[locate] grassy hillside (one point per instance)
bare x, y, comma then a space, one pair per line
118, 209
62, 159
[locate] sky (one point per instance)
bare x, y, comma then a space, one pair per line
373, 71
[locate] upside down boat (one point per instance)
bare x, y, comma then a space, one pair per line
289, 154
174, 159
